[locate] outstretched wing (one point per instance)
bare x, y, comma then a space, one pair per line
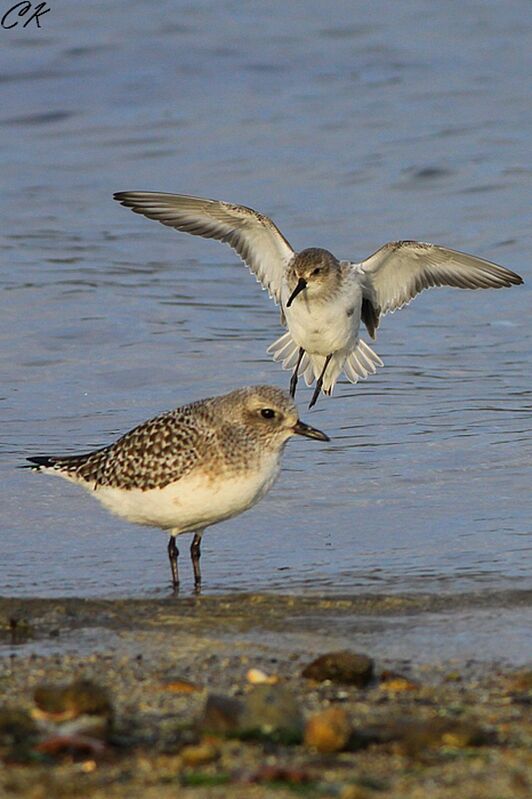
397, 272
256, 239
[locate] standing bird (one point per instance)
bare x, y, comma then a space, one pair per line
191, 467
322, 300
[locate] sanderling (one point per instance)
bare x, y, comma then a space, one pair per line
191, 467
333, 296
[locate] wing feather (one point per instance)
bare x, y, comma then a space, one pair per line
400, 270
255, 238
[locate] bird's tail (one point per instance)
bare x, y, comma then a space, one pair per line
361, 362
58, 463
357, 364
39, 463
286, 350
71, 467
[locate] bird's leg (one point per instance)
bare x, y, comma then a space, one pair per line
320, 381
173, 554
195, 554
293, 381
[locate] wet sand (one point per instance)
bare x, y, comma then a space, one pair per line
160, 660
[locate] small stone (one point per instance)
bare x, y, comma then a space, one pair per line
259, 677
199, 755
82, 697
182, 686
75, 745
328, 731
222, 715
269, 711
395, 683
272, 711
417, 736
341, 667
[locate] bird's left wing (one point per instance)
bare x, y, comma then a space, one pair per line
399, 270
256, 239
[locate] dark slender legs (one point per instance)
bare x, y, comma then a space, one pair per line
295, 376
195, 554
173, 554
293, 381
320, 381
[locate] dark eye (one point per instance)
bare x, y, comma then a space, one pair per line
317, 271
267, 413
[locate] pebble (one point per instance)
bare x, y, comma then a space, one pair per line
346, 667
415, 737
73, 745
272, 711
268, 711
328, 731
63, 702
221, 715
75, 716
259, 677
395, 683
199, 755
182, 687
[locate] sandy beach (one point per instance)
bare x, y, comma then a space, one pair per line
179, 678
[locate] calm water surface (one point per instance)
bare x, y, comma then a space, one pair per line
350, 129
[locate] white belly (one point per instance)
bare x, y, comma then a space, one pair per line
192, 503
322, 328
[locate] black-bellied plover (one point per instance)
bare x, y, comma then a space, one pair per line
322, 300
191, 467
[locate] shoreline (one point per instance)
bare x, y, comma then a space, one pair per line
441, 726
485, 626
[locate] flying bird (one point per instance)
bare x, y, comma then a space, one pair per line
322, 300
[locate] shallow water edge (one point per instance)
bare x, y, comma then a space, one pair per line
483, 626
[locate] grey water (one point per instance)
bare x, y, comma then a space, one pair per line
351, 125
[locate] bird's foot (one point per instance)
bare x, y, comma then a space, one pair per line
315, 396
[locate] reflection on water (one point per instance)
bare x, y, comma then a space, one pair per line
350, 132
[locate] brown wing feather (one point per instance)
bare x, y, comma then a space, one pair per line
255, 238
400, 270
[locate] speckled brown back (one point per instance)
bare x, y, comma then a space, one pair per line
209, 434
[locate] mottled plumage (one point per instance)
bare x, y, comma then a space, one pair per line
322, 300
191, 467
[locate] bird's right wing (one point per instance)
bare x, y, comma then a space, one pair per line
255, 238
400, 270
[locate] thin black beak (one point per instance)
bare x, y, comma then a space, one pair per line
301, 284
303, 429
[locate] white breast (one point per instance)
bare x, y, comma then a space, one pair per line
325, 327
195, 502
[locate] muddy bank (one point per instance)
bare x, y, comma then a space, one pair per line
483, 626
443, 726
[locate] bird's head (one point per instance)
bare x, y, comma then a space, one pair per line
266, 413
315, 272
